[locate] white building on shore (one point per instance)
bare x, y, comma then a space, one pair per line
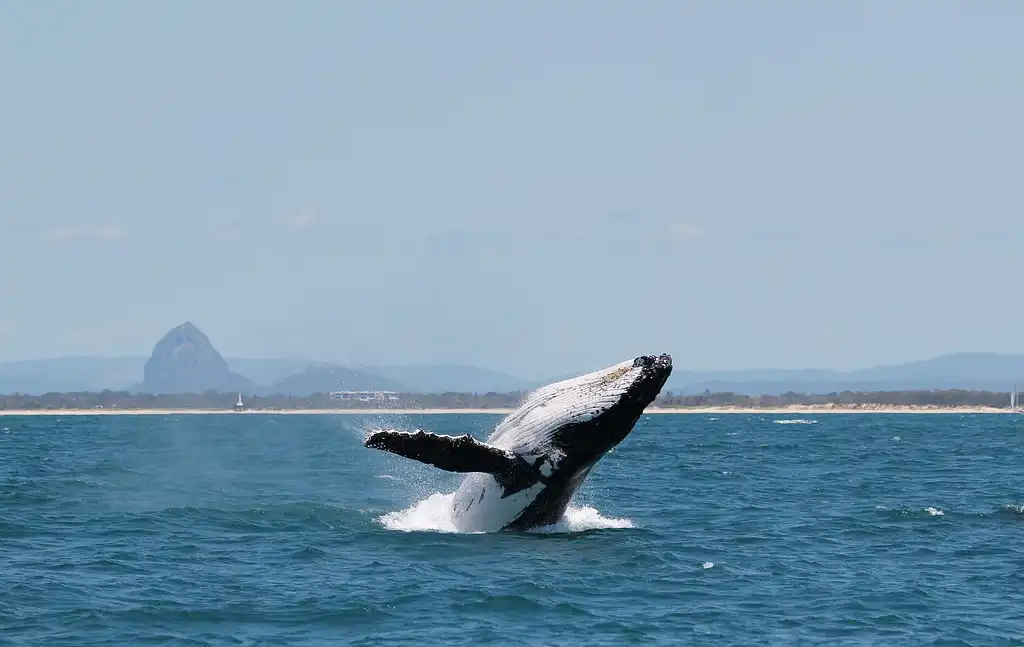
364, 396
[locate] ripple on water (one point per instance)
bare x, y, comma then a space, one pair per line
866, 529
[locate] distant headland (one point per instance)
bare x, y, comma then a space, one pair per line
186, 373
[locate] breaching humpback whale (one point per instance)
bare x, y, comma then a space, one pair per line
525, 474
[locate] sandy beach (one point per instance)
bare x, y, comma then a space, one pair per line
792, 409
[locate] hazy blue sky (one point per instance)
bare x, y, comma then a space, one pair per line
534, 187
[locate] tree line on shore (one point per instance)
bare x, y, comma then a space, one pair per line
212, 400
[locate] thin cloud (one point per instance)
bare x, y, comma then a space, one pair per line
60, 233
225, 228
831, 331
301, 220
112, 232
64, 234
683, 231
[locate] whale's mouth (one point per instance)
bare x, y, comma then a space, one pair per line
654, 372
661, 362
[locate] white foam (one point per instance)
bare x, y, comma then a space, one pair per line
935, 512
431, 514
434, 514
585, 518
797, 421
708, 565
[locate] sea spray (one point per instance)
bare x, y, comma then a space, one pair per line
434, 514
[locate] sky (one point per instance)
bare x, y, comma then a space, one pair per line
531, 187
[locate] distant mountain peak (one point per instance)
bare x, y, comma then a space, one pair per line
185, 361
186, 330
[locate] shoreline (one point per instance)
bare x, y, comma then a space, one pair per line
791, 409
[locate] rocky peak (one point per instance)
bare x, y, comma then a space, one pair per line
185, 361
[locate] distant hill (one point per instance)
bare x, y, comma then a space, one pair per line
185, 361
324, 379
66, 374
442, 378
270, 370
958, 366
985, 371
982, 371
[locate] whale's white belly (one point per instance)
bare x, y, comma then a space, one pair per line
478, 507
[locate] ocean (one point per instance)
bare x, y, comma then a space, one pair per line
729, 529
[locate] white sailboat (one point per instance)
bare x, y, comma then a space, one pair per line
1015, 401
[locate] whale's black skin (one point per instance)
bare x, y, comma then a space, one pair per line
528, 470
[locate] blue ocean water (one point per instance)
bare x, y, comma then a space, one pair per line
700, 530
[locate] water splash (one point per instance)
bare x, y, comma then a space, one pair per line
434, 514
796, 421
579, 519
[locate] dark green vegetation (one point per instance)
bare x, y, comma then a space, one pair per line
213, 400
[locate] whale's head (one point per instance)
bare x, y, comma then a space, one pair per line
580, 419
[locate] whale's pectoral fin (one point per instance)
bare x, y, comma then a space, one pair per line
454, 454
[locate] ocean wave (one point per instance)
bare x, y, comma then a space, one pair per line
214, 531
